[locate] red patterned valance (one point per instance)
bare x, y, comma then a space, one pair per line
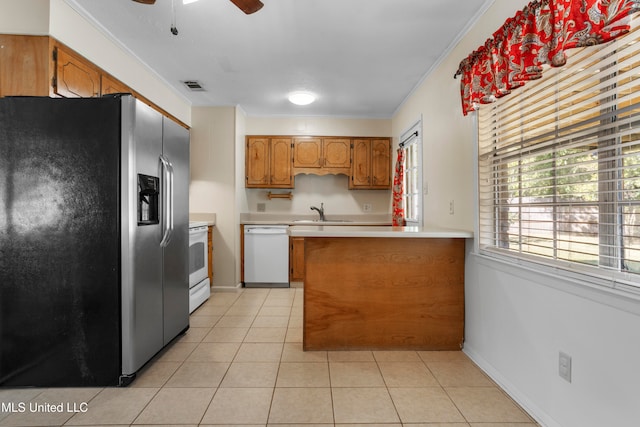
538, 35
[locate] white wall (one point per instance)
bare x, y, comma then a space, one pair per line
311, 190
213, 184
24, 17
517, 320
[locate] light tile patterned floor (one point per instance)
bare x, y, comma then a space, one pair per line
241, 364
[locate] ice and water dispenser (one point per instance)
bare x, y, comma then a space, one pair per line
148, 199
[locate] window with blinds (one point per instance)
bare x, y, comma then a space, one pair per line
412, 178
559, 164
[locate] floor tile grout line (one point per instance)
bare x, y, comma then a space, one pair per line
393, 402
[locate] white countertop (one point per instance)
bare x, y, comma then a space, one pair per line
209, 218
292, 219
377, 231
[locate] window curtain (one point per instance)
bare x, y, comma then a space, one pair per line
537, 36
398, 178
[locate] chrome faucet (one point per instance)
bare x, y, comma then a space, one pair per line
320, 211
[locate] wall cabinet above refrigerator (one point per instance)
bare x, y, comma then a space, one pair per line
42, 66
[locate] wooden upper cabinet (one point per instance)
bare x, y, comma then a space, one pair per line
273, 161
381, 163
257, 162
361, 166
24, 65
371, 167
280, 150
307, 152
109, 85
42, 66
268, 163
336, 153
321, 156
75, 77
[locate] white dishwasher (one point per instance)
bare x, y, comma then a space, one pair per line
266, 256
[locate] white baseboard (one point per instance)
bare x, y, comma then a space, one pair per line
540, 416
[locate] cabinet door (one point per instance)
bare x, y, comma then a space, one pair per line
110, 85
380, 163
307, 153
361, 166
280, 151
75, 77
336, 153
296, 259
257, 162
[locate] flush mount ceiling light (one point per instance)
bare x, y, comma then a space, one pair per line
301, 98
188, 1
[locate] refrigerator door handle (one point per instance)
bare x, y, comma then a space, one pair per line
167, 220
171, 198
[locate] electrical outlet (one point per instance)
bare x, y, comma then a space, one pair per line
451, 207
261, 207
564, 366
366, 207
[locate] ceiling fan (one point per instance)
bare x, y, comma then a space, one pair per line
247, 6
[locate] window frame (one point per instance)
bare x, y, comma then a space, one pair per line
611, 274
411, 143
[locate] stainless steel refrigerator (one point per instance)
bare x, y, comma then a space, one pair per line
94, 276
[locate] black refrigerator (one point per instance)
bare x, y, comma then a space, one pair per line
93, 239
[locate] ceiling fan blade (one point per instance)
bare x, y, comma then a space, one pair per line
248, 6
145, 1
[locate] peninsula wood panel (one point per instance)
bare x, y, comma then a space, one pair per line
383, 293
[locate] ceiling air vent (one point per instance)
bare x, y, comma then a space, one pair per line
193, 85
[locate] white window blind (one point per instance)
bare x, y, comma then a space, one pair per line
559, 163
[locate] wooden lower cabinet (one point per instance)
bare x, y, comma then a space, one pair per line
296, 259
210, 253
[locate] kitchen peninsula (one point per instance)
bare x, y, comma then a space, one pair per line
383, 287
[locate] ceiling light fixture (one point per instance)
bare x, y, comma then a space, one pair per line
301, 98
188, 1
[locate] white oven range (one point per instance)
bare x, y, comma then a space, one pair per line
199, 285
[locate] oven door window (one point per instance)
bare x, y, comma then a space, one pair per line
198, 263
196, 257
